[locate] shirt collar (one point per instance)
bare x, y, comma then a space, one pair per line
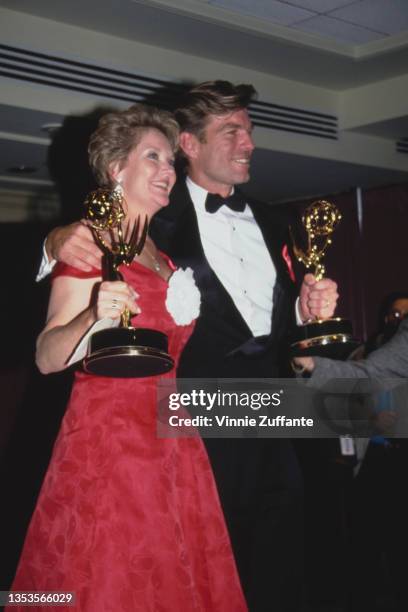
198, 195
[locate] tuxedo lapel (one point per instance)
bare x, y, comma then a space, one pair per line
271, 228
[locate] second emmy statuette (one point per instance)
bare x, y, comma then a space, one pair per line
326, 337
125, 351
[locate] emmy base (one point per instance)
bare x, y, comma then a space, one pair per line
128, 352
331, 338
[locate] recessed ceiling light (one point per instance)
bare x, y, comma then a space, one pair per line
22, 169
50, 128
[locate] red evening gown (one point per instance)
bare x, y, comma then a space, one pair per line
127, 521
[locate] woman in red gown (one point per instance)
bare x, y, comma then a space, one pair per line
127, 521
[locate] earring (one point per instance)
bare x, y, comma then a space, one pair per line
118, 190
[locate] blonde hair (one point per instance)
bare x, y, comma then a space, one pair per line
118, 133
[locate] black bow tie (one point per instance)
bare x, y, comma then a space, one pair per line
214, 201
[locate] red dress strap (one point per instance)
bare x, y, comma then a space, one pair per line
168, 261
62, 269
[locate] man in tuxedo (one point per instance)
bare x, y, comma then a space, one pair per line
237, 249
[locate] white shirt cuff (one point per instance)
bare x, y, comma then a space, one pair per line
46, 267
297, 313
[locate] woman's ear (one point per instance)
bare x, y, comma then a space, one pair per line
115, 172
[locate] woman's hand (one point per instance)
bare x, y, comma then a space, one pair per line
113, 298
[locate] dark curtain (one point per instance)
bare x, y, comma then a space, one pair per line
384, 247
32, 405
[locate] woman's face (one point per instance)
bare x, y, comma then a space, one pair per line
148, 174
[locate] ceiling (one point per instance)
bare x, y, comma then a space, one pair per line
329, 43
333, 44
357, 22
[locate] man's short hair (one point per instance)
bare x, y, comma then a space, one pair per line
211, 98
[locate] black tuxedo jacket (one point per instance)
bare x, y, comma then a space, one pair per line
222, 345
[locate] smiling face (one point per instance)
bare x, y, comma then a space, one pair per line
148, 174
222, 158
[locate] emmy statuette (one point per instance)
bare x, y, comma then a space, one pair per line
125, 351
325, 337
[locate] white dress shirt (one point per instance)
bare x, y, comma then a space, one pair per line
46, 266
235, 249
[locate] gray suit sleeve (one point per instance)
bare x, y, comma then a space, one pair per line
389, 361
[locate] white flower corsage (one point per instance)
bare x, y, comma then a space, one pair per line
183, 297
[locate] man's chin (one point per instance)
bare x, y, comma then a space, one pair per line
241, 180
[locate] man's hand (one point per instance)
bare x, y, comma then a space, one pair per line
317, 299
74, 245
303, 364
